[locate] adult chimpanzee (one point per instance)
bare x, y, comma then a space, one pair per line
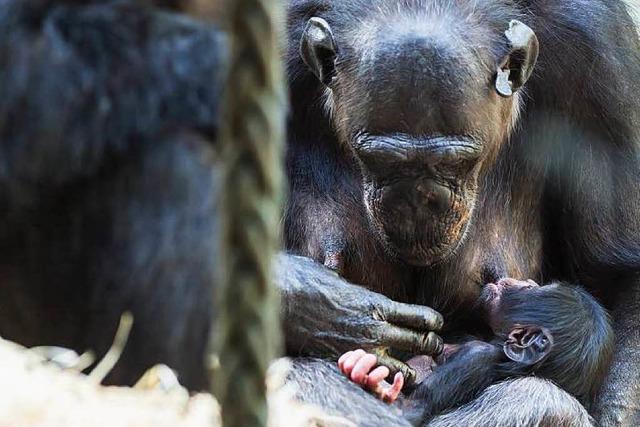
402, 178
107, 189
555, 332
107, 110
108, 115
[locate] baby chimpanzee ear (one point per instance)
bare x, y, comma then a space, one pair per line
318, 49
528, 344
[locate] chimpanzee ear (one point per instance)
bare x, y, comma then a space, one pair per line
318, 49
528, 344
517, 67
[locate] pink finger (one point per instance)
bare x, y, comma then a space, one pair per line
344, 357
376, 376
392, 393
362, 368
351, 361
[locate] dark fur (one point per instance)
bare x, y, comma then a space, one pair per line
108, 121
581, 331
581, 340
319, 382
107, 116
559, 202
545, 405
456, 382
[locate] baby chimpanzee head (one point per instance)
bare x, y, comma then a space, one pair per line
559, 332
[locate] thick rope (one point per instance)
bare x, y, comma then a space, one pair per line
247, 331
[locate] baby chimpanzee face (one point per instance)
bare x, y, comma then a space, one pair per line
492, 301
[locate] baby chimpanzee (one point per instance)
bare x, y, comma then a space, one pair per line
557, 332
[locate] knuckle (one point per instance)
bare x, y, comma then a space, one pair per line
429, 342
434, 341
438, 321
409, 374
389, 363
372, 334
438, 345
381, 333
421, 343
379, 311
433, 320
358, 377
378, 314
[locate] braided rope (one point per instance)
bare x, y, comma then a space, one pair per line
248, 326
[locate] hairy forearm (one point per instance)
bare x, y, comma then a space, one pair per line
311, 308
618, 403
453, 384
70, 87
301, 281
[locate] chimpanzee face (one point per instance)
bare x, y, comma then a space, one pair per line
495, 299
424, 95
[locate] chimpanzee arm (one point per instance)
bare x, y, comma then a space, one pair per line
455, 383
527, 401
540, 402
323, 315
319, 383
82, 84
619, 399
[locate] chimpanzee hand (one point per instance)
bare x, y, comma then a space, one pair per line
323, 315
362, 368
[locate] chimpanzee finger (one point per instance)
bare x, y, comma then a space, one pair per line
362, 368
350, 362
412, 316
376, 376
414, 342
343, 358
396, 366
391, 394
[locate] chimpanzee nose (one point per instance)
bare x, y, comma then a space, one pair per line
435, 196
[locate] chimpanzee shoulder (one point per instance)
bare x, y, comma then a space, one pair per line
108, 180
114, 71
581, 126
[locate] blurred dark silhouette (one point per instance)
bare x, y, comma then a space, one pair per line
108, 114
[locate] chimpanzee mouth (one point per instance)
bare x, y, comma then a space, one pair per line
418, 242
493, 294
420, 256
490, 299
425, 238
